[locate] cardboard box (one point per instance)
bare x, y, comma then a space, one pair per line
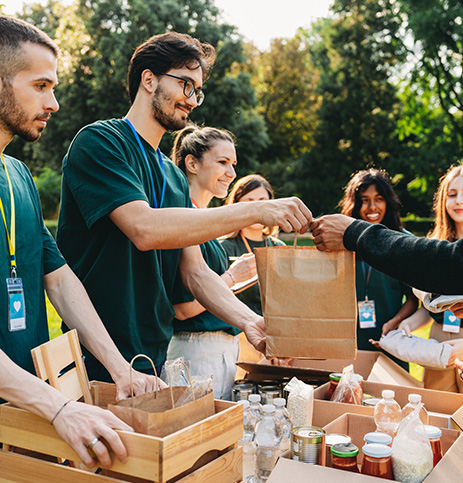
442, 405
371, 365
448, 469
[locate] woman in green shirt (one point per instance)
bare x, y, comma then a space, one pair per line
207, 157
250, 188
369, 196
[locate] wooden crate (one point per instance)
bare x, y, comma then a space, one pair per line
150, 458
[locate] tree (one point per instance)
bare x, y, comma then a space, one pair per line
356, 51
97, 39
436, 27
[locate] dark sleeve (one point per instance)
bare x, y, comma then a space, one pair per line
431, 265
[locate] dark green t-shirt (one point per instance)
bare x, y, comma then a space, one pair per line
216, 259
130, 289
36, 255
235, 247
387, 294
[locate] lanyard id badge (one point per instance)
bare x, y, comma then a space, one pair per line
451, 323
16, 307
367, 315
14, 285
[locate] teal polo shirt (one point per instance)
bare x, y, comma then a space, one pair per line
131, 290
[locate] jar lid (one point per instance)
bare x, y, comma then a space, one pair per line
433, 432
335, 438
377, 437
335, 376
345, 450
371, 402
377, 450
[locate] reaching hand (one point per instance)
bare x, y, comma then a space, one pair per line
85, 427
457, 309
243, 268
255, 333
405, 326
290, 214
328, 232
142, 383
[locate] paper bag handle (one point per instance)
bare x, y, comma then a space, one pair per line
131, 382
189, 379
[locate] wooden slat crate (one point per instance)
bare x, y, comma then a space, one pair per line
150, 458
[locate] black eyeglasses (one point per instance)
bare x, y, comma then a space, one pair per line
189, 89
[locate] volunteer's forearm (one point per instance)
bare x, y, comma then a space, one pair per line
213, 293
72, 303
417, 320
407, 309
27, 391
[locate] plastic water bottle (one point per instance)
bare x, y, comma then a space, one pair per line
267, 441
282, 414
255, 406
388, 414
249, 428
413, 401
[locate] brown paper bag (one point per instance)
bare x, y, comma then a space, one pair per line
308, 301
155, 413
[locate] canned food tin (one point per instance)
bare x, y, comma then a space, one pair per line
330, 440
242, 391
269, 393
308, 445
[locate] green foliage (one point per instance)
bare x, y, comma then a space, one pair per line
52, 225
97, 39
49, 188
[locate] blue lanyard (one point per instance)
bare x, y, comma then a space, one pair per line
366, 278
137, 137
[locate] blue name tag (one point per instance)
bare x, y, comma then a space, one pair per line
16, 307
367, 316
451, 322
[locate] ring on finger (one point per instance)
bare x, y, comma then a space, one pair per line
93, 443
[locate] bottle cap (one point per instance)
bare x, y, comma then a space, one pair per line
378, 438
433, 432
388, 393
279, 402
377, 450
268, 408
344, 450
414, 398
244, 403
254, 398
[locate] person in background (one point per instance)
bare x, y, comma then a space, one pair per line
250, 188
211, 346
31, 263
369, 196
448, 212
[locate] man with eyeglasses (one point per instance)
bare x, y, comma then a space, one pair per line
126, 223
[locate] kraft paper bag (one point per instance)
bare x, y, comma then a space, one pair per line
308, 301
159, 413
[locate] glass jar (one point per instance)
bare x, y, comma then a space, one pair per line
344, 457
377, 461
334, 381
332, 439
379, 438
434, 435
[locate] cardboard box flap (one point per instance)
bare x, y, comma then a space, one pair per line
284, 371
387, 371
449, 470
457, 419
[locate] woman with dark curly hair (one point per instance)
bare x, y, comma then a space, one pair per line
369, 196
